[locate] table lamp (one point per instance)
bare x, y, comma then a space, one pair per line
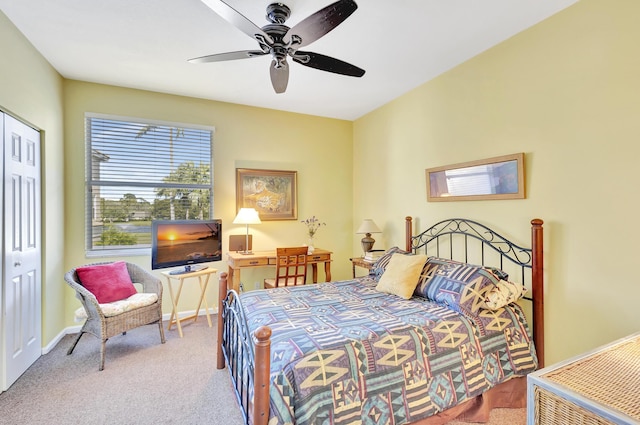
368, 227
247, 216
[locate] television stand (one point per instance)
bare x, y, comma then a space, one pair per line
202, 276
187, 269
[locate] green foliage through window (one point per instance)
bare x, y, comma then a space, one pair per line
112, 236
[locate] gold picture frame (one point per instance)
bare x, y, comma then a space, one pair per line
273, 193
500, 177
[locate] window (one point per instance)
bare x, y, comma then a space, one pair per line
138, 171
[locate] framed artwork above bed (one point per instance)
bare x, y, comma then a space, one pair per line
501, 177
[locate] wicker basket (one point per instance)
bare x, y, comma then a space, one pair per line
598, 388
551, 409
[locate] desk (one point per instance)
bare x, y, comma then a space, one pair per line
175, 297
238, 261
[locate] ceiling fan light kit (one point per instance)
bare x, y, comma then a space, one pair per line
280, 41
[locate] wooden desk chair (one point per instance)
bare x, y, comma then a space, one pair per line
291, 268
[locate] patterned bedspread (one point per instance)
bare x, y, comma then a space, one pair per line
342, 353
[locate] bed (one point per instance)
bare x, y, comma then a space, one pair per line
346, 352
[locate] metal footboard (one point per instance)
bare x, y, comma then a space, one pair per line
237, 348
246, 355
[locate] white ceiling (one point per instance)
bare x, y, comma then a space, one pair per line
145, 44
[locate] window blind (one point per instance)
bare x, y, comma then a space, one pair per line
138, 171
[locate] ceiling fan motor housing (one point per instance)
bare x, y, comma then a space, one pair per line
278, 49
278, 13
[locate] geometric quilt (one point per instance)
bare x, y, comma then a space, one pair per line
342, 353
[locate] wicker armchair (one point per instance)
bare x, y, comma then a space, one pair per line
106, 327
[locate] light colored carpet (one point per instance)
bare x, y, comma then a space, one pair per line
503, 417
144, 382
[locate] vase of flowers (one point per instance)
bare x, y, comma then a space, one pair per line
313, 224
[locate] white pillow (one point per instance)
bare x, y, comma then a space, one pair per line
141, 299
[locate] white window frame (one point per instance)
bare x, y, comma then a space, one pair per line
90, 181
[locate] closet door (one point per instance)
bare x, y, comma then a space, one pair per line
2, 332
21, 298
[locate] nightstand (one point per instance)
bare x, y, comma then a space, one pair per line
360, 262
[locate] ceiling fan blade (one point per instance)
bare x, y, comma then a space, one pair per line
327, 63
238, 20
279, 76
242, 54
320, 23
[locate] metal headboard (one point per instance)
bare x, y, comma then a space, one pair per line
469, 229
529, 260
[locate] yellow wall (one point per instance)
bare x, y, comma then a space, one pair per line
566, 93
319, 149
30, 89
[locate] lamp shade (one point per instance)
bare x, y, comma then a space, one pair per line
368, 226
247, 216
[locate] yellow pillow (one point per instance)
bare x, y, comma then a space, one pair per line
401, 275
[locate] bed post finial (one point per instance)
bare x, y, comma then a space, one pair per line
537, 270
408, 226
222, 293
262, 369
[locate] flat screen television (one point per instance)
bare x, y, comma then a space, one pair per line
185, 243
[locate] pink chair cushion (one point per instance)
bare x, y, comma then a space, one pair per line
108, 282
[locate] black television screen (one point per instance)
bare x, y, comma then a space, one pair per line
183, 243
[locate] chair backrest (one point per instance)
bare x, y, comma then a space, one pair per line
291, 267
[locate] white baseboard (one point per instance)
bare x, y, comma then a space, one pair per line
75, 329
181, 314
66, 331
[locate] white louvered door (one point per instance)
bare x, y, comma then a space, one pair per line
21, 283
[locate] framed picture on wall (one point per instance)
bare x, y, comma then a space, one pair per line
271, 192
500, 177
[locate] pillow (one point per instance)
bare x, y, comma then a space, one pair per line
504, 293
433, 263
499, 273
459, 285
464, 287
379, 266
108, 282
136, 300
401, 275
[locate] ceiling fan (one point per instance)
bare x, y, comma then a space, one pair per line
280, 41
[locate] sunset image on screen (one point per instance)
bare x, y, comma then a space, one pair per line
187, 241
